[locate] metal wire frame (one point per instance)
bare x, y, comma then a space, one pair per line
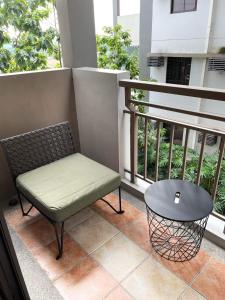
59, 226
120, 211
59, 237
173, 240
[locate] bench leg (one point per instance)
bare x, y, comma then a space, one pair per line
59, 238
24, 213
120, 211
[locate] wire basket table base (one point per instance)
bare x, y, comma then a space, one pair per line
173, 240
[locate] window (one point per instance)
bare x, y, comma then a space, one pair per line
178, 70
178, 6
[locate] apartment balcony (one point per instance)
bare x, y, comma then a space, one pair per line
109, 256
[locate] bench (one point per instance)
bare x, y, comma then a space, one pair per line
55, 179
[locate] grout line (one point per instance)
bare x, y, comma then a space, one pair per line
82, 221
119, 282
103, 243
201, 270
188, 287
113, 289
133, 270
194, 278
197, 275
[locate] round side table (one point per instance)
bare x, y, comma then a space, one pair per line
177, 212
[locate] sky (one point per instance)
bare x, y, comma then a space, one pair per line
104, 11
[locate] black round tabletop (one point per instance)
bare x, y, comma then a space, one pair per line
192, 202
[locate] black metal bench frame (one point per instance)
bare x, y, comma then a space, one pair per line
28, 151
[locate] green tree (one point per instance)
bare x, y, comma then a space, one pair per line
112, 50
24, 45
208, 170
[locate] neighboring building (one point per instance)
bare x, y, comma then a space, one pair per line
187, 36
139, 25
183, 39
131, 23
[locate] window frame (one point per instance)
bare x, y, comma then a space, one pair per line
184, 10
178, 62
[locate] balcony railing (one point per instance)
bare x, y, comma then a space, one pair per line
143, 119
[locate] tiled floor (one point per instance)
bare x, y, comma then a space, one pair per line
108, 256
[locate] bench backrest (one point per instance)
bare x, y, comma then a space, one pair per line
34, 149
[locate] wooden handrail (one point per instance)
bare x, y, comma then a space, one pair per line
192, 91
195, 127
180, 110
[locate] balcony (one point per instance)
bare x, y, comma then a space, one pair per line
109, 256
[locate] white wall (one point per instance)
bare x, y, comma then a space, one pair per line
217, 39
184, 102
188, 33
213, 79
100, 103
132, 24
180, 32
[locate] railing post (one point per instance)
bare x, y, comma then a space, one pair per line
127, 97
133, 144
157, 151
201, 158
171, 149
185, 153
146, 149
218, 169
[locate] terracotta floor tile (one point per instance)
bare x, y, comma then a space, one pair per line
119, 256
86, 281
15, 218
185, 270
46, 255
211, 281
131, 213
190, 294
119, 294
78, 218
151, 280
93, 232
37, 234
138, 231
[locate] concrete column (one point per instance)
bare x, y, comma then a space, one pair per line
145, 36
77, 32
100, 103
116, 11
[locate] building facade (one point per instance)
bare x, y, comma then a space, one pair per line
188, 47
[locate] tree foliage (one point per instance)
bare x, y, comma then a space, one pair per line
112, 50
24, 45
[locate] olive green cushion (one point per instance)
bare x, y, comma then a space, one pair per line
62, 188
